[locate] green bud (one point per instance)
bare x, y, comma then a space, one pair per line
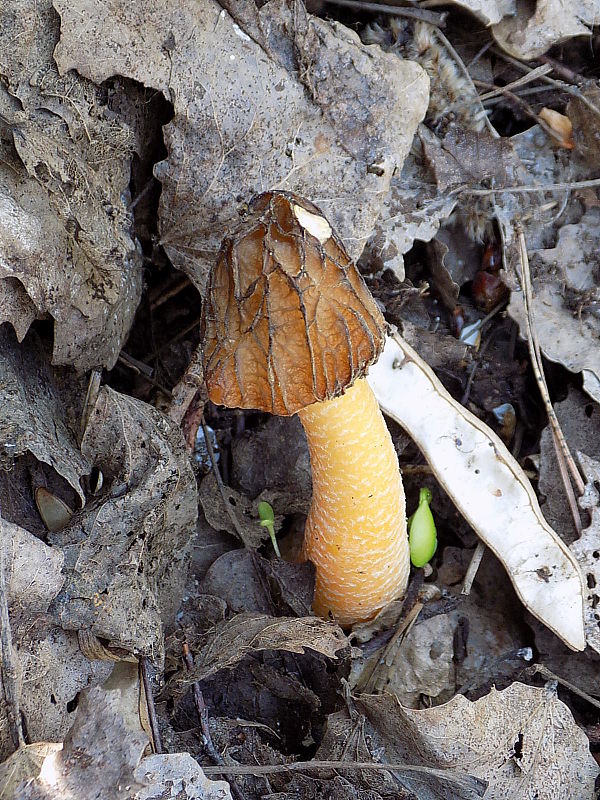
422, 538
267, 520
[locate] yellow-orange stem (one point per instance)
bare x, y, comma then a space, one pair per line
356, 529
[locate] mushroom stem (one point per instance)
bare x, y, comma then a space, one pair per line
356, 529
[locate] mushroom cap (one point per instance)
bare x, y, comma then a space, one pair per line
287, 319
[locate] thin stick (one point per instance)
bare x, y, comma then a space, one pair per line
150, 705
142, 370
349, 766
526, 108
473, 567
433, 17
461, 65
500, 90
548, 187
202, 711
219, 480
541, 669
565, 87
563, 454
9, 668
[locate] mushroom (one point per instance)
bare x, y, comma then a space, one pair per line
289, 326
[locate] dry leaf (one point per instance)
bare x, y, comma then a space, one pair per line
33, 570
523, 741
466, 157
566, 301
488, 11
177, 776
52, 671
32, 413
412, 210
127, 552
66, 238
247, 526
585, 123
579, 419
350, 111
101, 758
24, 764
354, 739
229, 642
528, 35
488, 487
587, 549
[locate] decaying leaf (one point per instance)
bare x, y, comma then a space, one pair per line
488, 487
126, 554
229, 642
412, 210
176, 776
488, 11
24, 764
101, 757
587, 550
467, 157
566, 301
247, 526
579, 419
32, 418
32, 569
528, 35
52, 671
523, 741
66, 245
425, 663
353, 738
585, 123
350, 111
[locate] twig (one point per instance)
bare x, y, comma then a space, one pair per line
9, 668
202, 710
150, 705
349, 766
473, 567
563, 454
565, 87
548, 187
500, 90
142, 370
523, 105
542, 670
433, 17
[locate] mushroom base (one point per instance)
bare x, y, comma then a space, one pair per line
356, 529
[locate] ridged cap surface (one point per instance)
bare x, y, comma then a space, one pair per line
287, 320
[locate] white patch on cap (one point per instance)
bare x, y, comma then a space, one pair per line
315, 224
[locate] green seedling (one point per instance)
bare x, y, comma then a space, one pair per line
422, 538
267, 520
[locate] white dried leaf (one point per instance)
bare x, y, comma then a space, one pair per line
587, 550
488, 11
526, 35
563, 337
488, 487
33, 570
523, 741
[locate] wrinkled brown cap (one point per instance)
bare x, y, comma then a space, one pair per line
287, 319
